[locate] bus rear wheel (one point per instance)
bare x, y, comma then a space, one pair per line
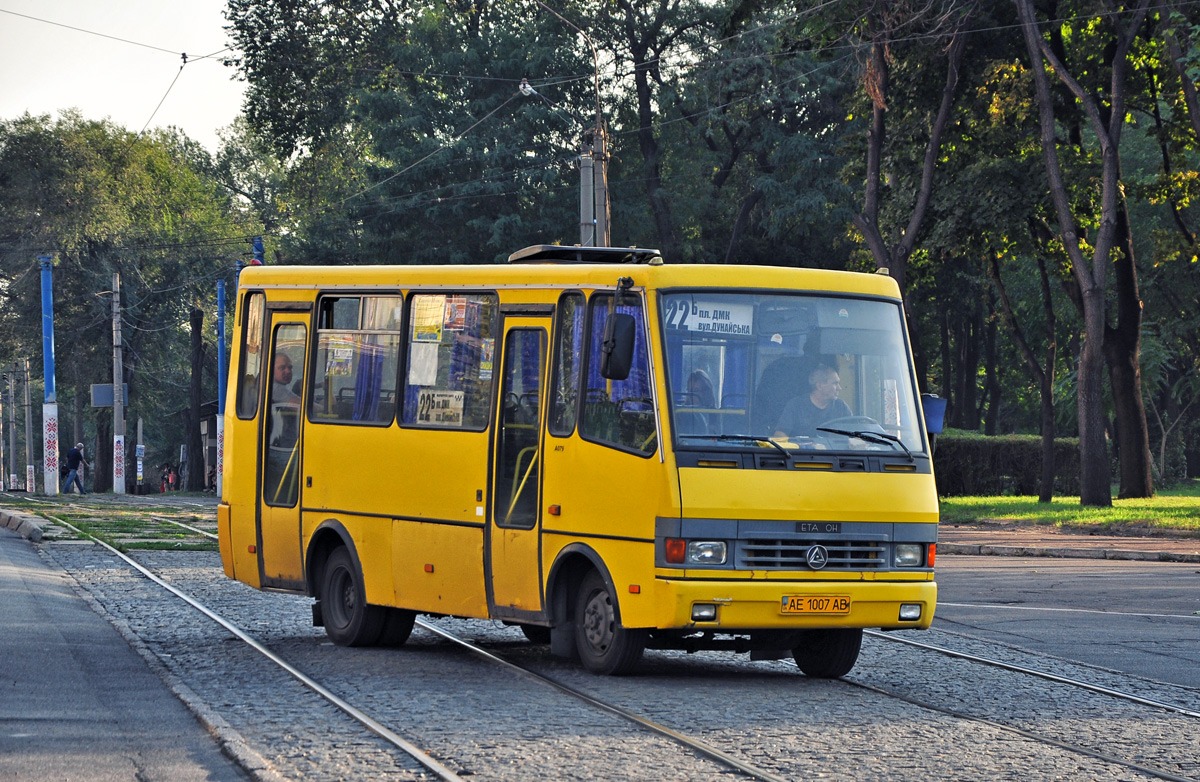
349, 620
828, 654
604, 645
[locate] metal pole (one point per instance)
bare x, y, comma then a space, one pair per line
118, 392
12, 427
30, 473
50, 446
222, 385
3, 409
603, 237
587, 192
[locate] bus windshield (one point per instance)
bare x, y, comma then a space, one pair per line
794, 370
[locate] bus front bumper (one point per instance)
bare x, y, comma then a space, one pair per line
794, 605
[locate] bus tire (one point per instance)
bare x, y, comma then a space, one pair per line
397, 626
349, 620
605, 646
828, 654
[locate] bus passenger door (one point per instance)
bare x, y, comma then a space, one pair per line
513, 546
280, 559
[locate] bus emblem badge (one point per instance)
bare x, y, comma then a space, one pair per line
817, 557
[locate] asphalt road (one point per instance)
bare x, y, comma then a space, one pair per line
76, 701
1141, 618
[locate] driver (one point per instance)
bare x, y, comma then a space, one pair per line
803, 414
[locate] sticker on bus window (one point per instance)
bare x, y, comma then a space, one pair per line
711, 317
428, 314
456, 313
487, 355
341, 358
444, 408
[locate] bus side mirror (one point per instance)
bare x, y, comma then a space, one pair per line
934, 408
616, 352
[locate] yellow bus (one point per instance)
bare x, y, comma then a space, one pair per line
612, 452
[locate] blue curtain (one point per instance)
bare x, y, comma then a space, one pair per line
368, 380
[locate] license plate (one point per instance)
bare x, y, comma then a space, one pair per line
815, 604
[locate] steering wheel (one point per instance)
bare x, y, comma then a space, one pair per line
853, 423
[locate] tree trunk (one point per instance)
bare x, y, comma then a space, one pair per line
195, 454
1121, 347
1093, 449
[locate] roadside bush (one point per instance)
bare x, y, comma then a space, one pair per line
967, 463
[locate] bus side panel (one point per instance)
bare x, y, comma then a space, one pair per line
439, 568
605, 494
392, 476
240, 485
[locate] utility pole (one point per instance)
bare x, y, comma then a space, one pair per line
118, 392
4, 484
600, 163
50, 400
587, 194
12, 427
30, 473
593, 197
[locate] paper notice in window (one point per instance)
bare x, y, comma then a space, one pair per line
423, 364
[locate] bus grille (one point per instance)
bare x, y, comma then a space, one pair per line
792, 554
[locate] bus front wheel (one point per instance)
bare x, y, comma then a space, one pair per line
349, 620
604, 645
828, 654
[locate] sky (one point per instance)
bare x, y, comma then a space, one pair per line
45, 67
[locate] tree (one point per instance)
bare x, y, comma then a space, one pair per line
103, 200
1112, 228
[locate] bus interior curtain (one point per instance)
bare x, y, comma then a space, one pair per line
368, 381
636, 384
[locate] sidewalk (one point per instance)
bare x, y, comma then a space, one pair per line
1022, 540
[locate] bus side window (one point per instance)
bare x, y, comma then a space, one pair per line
250, 377
451, 350
568, 356
619, 412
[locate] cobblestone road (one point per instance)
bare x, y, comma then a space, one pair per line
494, 724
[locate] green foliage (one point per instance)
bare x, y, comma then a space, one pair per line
102, 201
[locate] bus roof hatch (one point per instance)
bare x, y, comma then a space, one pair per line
555, 253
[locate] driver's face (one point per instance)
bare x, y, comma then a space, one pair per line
828, 388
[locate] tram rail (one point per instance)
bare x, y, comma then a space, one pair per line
962, 711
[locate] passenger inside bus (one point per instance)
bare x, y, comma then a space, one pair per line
803, 414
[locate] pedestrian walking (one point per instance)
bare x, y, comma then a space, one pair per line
74, 461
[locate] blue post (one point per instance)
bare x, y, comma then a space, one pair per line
221, 379
50, 406
48, 326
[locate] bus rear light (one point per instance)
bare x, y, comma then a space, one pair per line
676, 548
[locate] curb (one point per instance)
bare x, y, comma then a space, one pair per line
987, 550
23, 524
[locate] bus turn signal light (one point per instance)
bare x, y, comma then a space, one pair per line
932, 554
676, 548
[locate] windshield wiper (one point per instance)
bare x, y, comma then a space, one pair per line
879, 438
756, 439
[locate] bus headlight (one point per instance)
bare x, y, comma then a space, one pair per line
706, 552
908, 554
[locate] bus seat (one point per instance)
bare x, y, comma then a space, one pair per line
783, 379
